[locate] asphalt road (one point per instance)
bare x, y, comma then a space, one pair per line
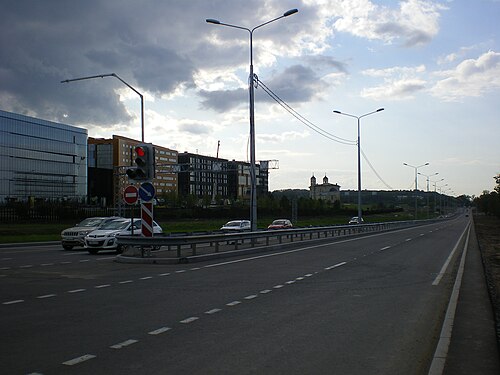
364, 305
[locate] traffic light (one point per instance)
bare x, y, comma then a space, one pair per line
145, 163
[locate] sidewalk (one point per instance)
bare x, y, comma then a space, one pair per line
473, 348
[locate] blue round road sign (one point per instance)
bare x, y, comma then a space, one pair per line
147, 191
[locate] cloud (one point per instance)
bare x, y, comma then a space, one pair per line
414, 23
470, 78
282, 137
296, 84
400, 83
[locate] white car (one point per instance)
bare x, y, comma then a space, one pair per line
356, 220
104, 238
236, 226
75, 236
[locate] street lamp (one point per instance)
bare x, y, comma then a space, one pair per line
428, 176
253, 191
416, 182
116, 76
359, 155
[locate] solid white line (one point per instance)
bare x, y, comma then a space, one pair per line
189, 320
76, 290
123, 344
213, 311
13, 302
77, 360
234, 303
441, 273
46, 296
439, 360
159, 331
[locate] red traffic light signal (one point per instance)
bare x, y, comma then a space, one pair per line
145, 163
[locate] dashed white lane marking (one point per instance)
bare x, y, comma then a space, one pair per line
164, 274
46, 264
234, 303
265, 291
6, 259
26, 266
308, 274
213, 311
251, 297
278, 286
126, 282
159, 331
13, 302
77, 360
76, 290
195, 269
146, 278
408, 239
123, 344
84, 260
299, 278
106, 258
385, 248
5, 268
180, 271
46, 296
335, 266
290, 282
65, 262
102, 286
189, 320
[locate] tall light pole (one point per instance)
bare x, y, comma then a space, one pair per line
359, 155
253, 177
129, 86
416, 182
428, 176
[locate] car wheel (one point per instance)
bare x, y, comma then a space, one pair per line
156, 247
93, 251
67, 247
119, 250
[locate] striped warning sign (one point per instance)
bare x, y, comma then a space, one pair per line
147, 219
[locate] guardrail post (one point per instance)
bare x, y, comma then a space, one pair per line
178, 251
216, 246
193, 248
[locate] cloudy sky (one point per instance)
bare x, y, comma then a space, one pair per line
433, 65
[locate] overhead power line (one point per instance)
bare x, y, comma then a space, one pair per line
314, 127
301, 118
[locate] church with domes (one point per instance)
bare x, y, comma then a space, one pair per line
325, 191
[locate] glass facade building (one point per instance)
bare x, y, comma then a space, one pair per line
41, 159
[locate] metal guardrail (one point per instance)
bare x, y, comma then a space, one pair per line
215, 241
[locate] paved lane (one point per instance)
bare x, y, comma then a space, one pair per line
359, 305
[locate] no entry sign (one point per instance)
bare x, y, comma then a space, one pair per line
130, 194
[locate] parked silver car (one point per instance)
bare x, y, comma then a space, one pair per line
74, 236
104, 238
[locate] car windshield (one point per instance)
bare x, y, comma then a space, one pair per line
115, 225
232, 224
91, 222
279, 222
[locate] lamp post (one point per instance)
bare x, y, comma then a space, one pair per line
359, 155
428, 176
435, 192
129, 86
253, 178
416, 182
